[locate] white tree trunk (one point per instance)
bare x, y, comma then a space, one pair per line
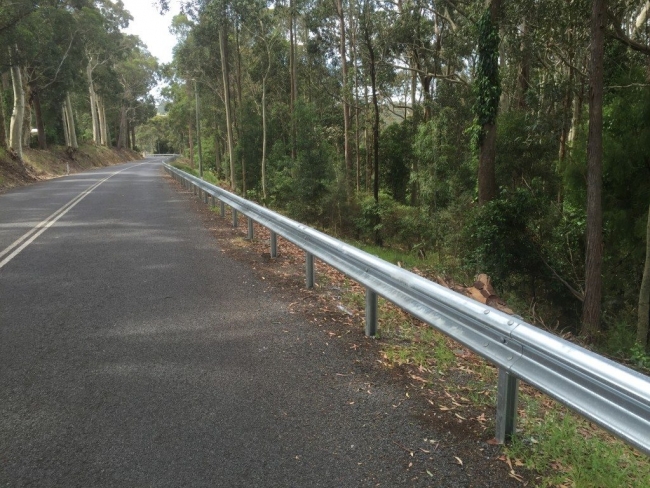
226, 91
66, 129
93, 105
27, 115
102, 121
122, 136
71, 126
16, 128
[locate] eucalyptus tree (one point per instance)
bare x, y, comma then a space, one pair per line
102, 43
136, 72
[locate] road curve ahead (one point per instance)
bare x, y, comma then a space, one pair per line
133, 353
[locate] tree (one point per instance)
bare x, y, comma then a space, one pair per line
591, 310
488, 92
644, 296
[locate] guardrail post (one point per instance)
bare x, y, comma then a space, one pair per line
212, 203
371, 313
250, 229
205, 197
274, 245
235, 220
222, 209
194, 188
309, 268
506, 406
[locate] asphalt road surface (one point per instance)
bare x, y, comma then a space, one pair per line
134, 353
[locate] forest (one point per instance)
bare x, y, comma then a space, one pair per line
70, 75
507, 138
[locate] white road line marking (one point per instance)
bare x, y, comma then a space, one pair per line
32, 234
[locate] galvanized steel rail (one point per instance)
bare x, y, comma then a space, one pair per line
607, 393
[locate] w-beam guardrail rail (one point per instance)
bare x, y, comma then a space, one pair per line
607, 393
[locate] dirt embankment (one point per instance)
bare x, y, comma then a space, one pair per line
57, 161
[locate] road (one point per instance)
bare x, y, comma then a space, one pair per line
134, 353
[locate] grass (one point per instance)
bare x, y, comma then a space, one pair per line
569, 451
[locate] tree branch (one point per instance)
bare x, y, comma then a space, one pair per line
618, 34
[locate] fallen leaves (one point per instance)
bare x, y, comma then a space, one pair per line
512, 473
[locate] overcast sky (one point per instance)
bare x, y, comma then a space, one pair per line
152, 27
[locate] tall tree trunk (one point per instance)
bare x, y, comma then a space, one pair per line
576, 117
240, 110
97, 138
292, 77
132, 127
217, 146
644, 295
566, 119
349, 170
357, 128
3, 125
38, 113
591, 306
27, 117
489, 103
15, 131
190, 143
121, 137
72, 128
268, 69
375, 132
523, 79
223, 48
103, 125
415, 186
367, 140
66, 127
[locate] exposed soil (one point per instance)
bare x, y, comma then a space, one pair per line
466, 430
57, 161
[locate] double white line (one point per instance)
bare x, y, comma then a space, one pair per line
26, 239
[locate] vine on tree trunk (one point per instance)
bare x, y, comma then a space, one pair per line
487, 86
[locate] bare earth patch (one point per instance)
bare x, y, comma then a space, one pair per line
56, 161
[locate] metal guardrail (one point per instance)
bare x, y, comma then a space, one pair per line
607, 393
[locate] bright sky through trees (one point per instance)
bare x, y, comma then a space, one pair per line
152, 27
